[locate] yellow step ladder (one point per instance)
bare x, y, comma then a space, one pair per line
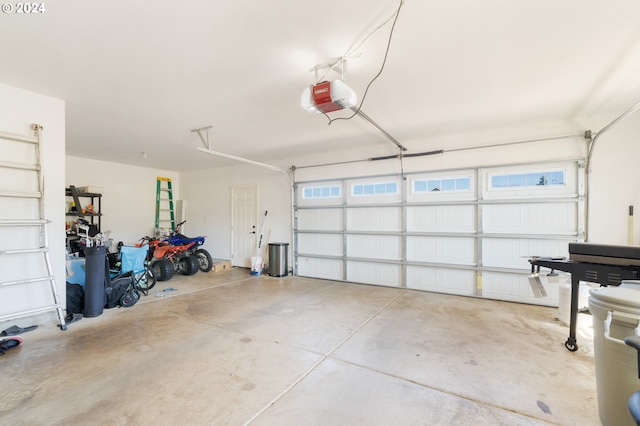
164, 204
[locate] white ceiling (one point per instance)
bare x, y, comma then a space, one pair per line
137, 76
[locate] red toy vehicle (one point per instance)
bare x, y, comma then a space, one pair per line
204, 258
166, 259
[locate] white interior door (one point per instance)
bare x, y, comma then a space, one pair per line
243, 224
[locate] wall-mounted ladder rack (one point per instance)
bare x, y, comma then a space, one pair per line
25, 224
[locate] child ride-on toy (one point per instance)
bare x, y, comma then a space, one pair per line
166, 260
177, 239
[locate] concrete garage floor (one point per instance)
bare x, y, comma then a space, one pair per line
230, 348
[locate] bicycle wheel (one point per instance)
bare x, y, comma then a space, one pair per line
146, 280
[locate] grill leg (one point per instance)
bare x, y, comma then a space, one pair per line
571, 342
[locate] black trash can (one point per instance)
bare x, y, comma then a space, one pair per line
95, 275
278, 259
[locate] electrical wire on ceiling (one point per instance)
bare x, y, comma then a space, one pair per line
384, 61
351, 50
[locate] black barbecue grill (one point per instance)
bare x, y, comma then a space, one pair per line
596, 263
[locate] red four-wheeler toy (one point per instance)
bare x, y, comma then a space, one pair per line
166, 259
178, 239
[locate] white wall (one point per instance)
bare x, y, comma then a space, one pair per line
208, 197
18, 110
128, 201
615, 184
455, 154
128, 195
567, 149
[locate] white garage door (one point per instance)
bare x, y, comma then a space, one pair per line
467, 232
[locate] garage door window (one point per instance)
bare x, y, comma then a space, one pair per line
528, 179
320, 192
436, 185
379, 188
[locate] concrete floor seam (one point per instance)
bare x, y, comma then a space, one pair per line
321, 360
224, 284
437, 389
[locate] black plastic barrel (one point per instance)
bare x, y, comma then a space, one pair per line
278, 259
94, 267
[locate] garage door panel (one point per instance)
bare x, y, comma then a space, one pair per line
540, 219
516, 288
384, 219
320, 244
374, 273
455, 250
441, 219
441, 280
514, 253
330, 269
320, 220
375, 246
461, 231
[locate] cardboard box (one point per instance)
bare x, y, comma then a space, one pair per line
223, 265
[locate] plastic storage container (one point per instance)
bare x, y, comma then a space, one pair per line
616, 315
278, 263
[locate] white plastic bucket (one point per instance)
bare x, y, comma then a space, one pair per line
256, 265
616, 315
